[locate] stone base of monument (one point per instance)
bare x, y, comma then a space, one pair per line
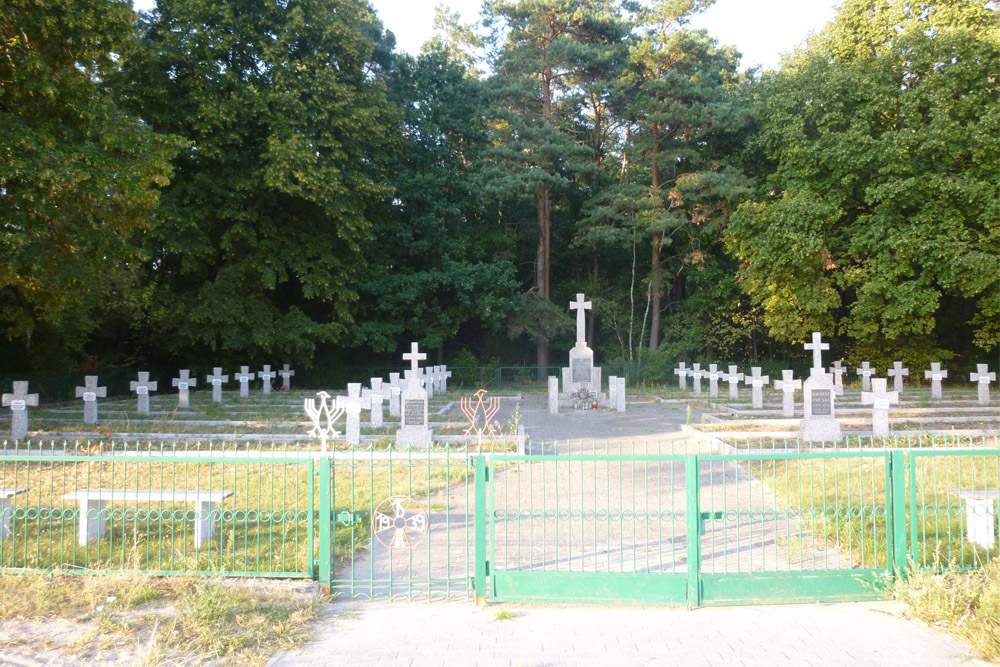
819, 430
414, 437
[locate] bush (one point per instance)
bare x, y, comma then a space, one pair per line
464, 368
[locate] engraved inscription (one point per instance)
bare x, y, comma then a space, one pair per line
581, 370
413, 413
821, 403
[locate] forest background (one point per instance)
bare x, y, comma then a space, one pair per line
219, 182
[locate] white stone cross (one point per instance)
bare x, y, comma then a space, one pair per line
445, 375
17, 402
375, 395
866, 372
244, 377
264, 375
142, 389
286, 374
216, 379
757, 382
880, 400
714, 374
787, 386
183, 383
697, 374
935, 375
681, 372
838, 371
90, 392
896, 373
982, 377
581, 307
817, 346
414, 356
733, 377
352, 405
396, 385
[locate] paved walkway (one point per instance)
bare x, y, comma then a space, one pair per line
384, 634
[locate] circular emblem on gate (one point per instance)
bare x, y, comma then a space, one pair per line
399, 522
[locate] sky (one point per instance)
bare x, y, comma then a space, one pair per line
760, 29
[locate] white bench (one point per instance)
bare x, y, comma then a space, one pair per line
93, 527
980, 520
6, 497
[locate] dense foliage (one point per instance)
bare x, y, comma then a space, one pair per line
270, 180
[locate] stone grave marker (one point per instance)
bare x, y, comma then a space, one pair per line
19, 402
396, 388
265, 375
142, 389
427, 381
414, 431
216, 379
816, 347
352, 405
612, 388
375, 395
696, 374
880, 399
286, 374
982, 377
183, 384
581, 378
620, 394
714, 375
935, 375
733, 377
553, 395
838, 372
819, 422
90, 392
445, 375
681, 372
897, 372
866, 372
787, 386
757, 382
244, 377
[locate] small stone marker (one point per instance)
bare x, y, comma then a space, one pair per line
980, 516
553, 394
880, 400
866, 372
142, 389
286, 374
427, 381
620, 394
819, 392
714, 375
414, 432
216, 379
18, 402
982, 377
396, 389
375, 396
352, 405
681, 372
244, 377
612, 388
733, 377
697, 374
90, 392
897, 372
935, 375
787, 386
838, 371
183, 383
265, 375
757, 382
445, 374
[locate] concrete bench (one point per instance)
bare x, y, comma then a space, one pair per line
6, 498
980, 520
93, 527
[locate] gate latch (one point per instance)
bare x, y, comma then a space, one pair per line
710, 516
346, 518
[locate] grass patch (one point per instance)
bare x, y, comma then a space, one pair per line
504, 615
967, 604
159, 620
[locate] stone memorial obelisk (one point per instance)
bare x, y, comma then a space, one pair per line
414, 432
819, 422
90, 392
581, 375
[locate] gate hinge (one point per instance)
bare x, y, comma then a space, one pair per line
347, 518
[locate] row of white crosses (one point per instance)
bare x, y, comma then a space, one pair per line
184, 382
733, 377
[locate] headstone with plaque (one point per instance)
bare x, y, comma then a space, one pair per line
838, 371
374, 394
183, 384
581, 375
866, 372
142, 389
396, 386
714, 375
787, 386
880, 400
733, 377
982, 377
216, 379
756, 382
90, 392
897, 373
696, 373
819, 395
286, 374
18, 402
265, 375
935, 375
414, 432
244, 377
352, 405
681, 372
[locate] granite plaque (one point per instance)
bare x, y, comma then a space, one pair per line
820, 403
581, 370
413, 413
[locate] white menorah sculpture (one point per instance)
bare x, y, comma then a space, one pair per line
323, 417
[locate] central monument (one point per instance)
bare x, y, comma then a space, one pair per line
581, 375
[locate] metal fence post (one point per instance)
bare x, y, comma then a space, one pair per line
325, 515
479, 507
692, 485
897, 473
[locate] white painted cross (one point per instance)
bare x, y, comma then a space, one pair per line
880, 400
216, 379
935, 375
896, 373
352, 405
375, 394
714, 374
414, 356
183, 383
787, 386
90, 393
244, 377
733, 377
286, 374
817, 346
580, 306
681, 372
17, 402
866, 372
757, 382
982, 377
696, 374
838, 371
142, 389
265, 376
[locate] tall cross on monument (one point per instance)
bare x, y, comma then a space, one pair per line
580, 306
414, 356
817, 346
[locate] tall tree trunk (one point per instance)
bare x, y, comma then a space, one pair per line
543, 207
592, 322
655, 278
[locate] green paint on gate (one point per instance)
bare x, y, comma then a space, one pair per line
591, 587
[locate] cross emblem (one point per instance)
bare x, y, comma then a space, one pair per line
581, 307
817, 346
414, 356
90, 392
